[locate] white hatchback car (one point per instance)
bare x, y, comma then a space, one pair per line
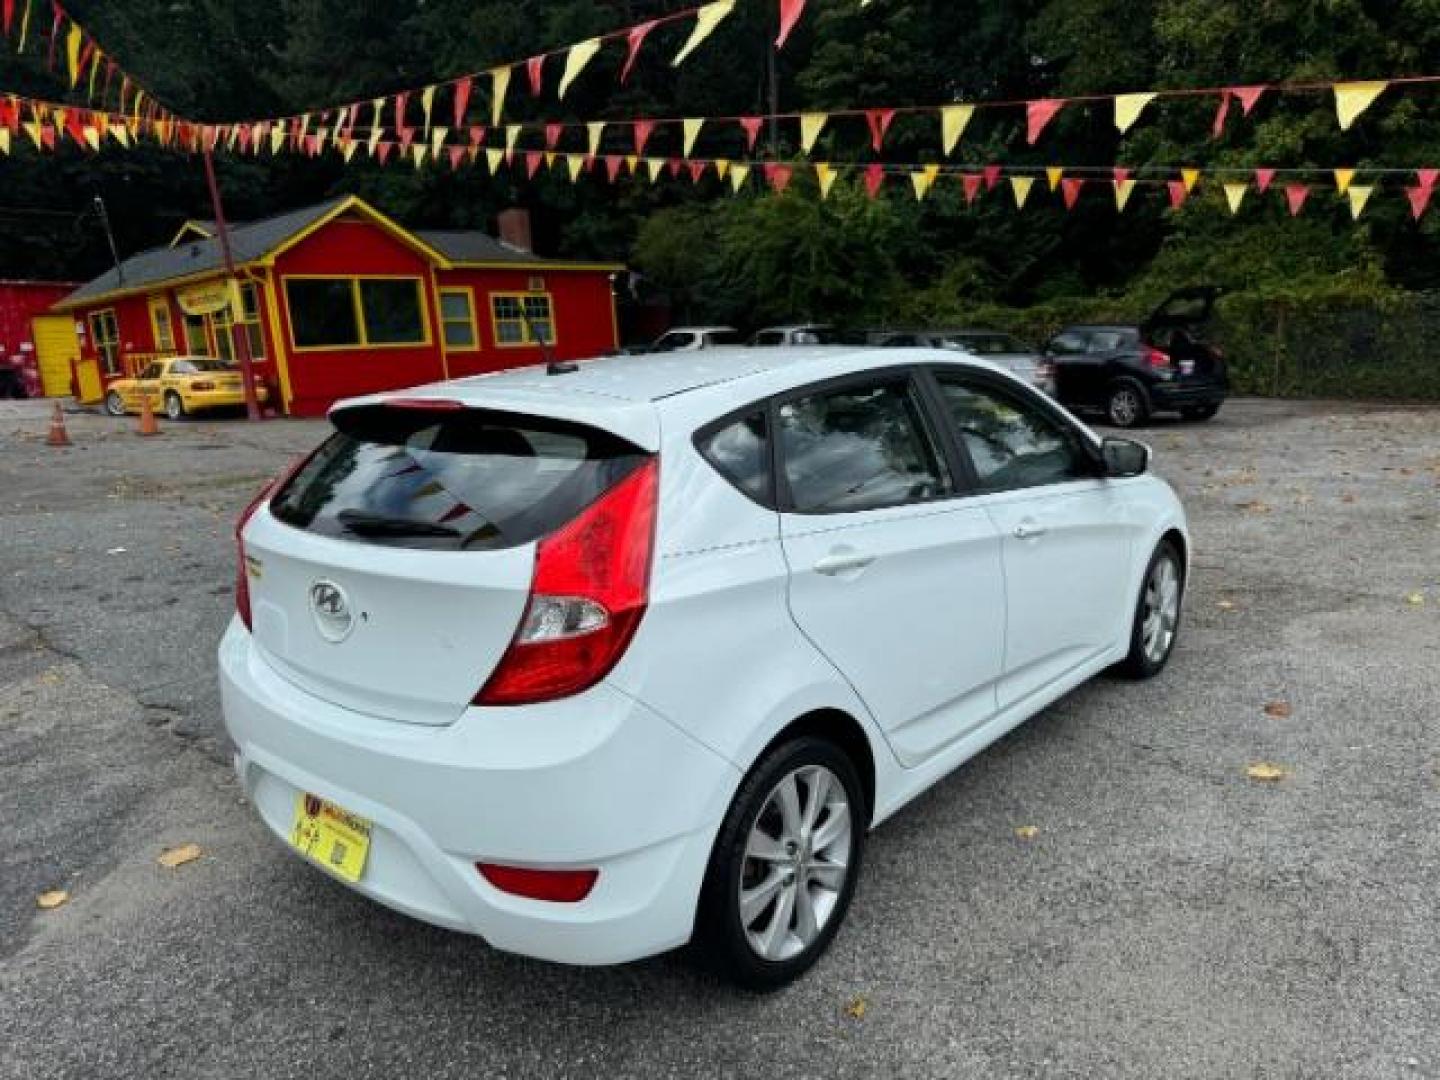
591, 660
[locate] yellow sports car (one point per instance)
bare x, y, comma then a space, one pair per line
180, 385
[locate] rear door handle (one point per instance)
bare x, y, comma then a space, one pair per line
841, 563
1029, 530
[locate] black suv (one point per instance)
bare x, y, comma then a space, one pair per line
1131, 372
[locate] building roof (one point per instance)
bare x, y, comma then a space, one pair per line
256, 240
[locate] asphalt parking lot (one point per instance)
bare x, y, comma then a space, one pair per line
1170, 917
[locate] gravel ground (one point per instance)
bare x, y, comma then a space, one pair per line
1171, 918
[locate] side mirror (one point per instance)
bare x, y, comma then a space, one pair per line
1125, 457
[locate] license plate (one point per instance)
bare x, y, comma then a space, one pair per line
331, 836
1187, 367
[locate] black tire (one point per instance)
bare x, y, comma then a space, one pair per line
174, 406
721, 940
1196, 413
1142, 662
114, 403
1127, 405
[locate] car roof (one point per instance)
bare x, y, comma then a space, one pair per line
621, 393
1100, 326
700, 330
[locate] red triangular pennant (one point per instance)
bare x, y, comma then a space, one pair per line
1070, 190
1121, 174
1295, 196
991, 174
789, 15
1218, 127
1178, 193
752, 125
879, 121
636, 38
1419, 197
778, 175
675, 164
535, 68
477, 135
697, 170
9, 14
1263, 177
461, 101
533, 159
1038, 114
552, 135
612, 166
1248, 96
643, 130
1427, 177
400, 102
457, 155
874, 177
971, 183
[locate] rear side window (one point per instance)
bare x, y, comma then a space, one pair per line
858, 448
467, 480
740, 452
1071, 341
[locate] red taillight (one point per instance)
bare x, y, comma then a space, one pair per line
1157, 359
589, 592
242, 575
556, 886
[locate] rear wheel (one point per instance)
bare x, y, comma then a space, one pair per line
174, 407
784, 865
1157, 614
1128, 405
114, 403
1200, 412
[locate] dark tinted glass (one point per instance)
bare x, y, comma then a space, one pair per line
322, 312
1071, 341
1012, 444
392, 312
740, 452
464, 481
858, 448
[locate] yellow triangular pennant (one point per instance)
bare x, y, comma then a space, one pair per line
1123, 188
739, 173
575, 162
953, 121
706, 19
655, 166
437, 139
1351, 99
119, 132
691, 129
72, 52
596, 129
499, 85
924, 179
427, 106
1342, 179
632, 162
580, 55
32, 128
825, 175
722, 167
512, 136
4, 140
1359, 195
349, 151
417, 151
493, 158
92, 137
811, 124
1235, 195
1054, 174
1189, 177
1128, 108
1020, 186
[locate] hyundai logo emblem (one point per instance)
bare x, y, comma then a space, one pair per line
331, 608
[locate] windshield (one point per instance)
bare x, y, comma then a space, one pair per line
460, 481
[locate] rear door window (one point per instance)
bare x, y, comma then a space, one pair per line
859, 447
464, 480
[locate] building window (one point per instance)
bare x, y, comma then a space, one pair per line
106, 335
160, 323
457, 318
197, 343
341, 312
522, 318
220, 325
250, 319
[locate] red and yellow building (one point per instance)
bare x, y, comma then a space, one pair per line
337, 300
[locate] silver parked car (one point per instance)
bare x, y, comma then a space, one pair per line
992, 345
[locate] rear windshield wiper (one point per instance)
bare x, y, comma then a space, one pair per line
365, 524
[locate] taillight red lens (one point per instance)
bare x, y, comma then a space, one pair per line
1157, 359
556, 886
590, 590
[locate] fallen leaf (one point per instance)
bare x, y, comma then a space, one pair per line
48, 901
1347, 498
1225, 605
1027, 832
1265, 772
179, 856
1278, 709
856, 1009
115, 551
1254, 506
1415, 599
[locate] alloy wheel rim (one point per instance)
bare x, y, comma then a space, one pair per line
1162, 610
1124, 408
796, 863
172, 408
115, 405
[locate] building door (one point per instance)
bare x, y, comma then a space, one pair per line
57, 350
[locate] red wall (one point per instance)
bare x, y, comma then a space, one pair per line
580, 301
21, 301
318, 379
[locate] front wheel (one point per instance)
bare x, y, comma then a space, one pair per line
114, 403
784, 865
1157, 614
174, 407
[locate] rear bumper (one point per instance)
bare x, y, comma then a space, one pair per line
220, 399
595, 782
1182, 395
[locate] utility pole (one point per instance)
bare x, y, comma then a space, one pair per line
772, 74
237, 322
110, 237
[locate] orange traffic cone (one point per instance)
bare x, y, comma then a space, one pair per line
58, 435
147, 417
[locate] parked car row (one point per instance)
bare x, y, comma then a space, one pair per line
1125, 372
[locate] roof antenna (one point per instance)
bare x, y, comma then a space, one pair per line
552, 365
